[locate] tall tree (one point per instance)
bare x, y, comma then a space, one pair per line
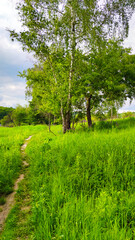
48, 85
106, 74
70, 25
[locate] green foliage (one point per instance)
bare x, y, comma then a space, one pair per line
7, 120
18, 223
11, 140
114, 125
52, 28
112, 113
96, 75
5, 111
47, 83
46, 19
19, 116
129, 74
128, 114
12, 220
25, 116
35, 115
82, 185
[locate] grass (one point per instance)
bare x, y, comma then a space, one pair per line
11, 140
117, 124
19, 222
81, 186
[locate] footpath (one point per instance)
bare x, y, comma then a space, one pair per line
10, 199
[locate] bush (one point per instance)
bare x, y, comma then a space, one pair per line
6, 121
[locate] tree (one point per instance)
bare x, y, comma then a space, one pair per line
48, 85
7, 120
70, 25
105, 77
35, 114
128, 69
5, 111
19, 115
120, 81
99, 79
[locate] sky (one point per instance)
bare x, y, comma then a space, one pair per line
14, 60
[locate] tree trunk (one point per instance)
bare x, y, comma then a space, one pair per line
49, 123
73, 45
111, 112
73, 124
89, 112
68, 118
64, 125
54, 119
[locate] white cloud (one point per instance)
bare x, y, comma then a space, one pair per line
8, 101
128, 106
5, 80
12, 92
10, 51
12, 58
14, 88
8, 14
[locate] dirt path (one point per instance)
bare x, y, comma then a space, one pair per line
10, 199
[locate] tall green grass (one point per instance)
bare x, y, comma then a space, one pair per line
116, 124
82, 185
11, 140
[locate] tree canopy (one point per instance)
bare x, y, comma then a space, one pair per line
62, 35
5, 111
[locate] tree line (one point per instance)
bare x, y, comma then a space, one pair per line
81, 63
31, 115
22, 115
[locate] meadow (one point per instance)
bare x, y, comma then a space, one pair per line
81, 184
11, 140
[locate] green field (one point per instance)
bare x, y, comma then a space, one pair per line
81, 184
11, 140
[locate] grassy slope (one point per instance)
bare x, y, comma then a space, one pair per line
81, 186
